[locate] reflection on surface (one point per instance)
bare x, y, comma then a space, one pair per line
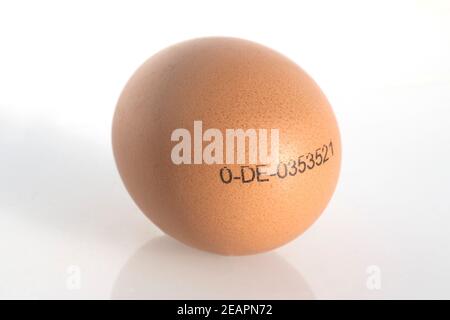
165, 269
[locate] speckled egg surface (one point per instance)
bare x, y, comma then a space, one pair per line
222, 84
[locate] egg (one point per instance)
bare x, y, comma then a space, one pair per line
226, 145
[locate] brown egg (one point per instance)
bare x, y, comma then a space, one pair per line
191, 182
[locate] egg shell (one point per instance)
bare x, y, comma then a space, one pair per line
227, 83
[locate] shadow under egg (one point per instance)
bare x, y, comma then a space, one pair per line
166, 269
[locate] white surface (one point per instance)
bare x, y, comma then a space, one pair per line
385, 67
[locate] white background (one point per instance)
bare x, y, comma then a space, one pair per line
65, 215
